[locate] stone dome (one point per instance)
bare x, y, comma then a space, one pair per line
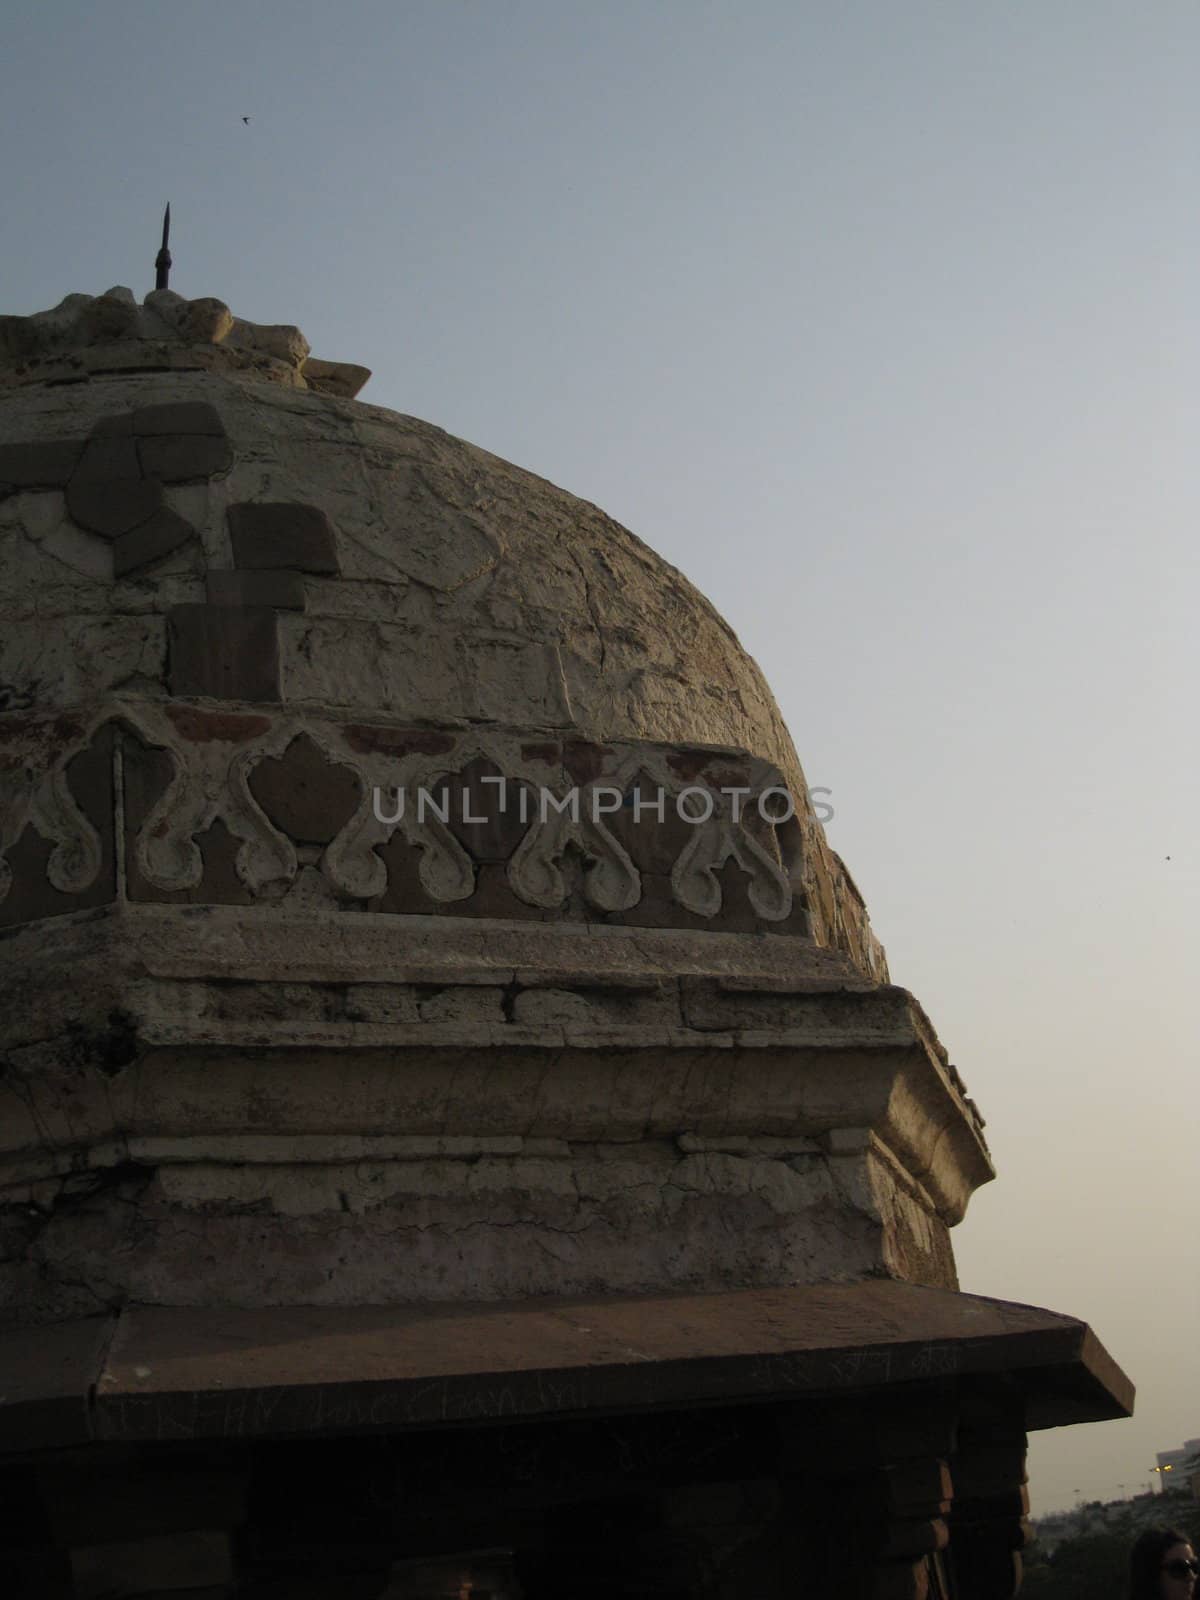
385, 1181
348, 886
193, 508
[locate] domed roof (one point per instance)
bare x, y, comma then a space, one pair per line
193, 508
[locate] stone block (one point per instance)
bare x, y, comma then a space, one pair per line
405, 893
107, 458
219, 883
282, 1002
282, 590
304, 794
43, 465
381, 1002
187, 416
477, 793
549, 1007
227, 652
111, 507
184, 457
467, 1004
291, 535
340, 378
164, 532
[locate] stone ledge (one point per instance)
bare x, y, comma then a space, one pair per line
200, 1373
198, 987
354, 947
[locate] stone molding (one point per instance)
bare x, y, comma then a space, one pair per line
510, 1032
229, 1104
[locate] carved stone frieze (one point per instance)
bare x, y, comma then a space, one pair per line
564, 822
34, 794
209, 783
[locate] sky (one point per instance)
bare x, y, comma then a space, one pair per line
881, 322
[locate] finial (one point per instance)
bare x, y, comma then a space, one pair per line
162, 261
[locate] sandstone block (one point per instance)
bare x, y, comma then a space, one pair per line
227, 652
340, 378
184, 457
535, 1007
305, 795
474, 1004
111, 507
107, 458
381, 1002
292, 536
163, 532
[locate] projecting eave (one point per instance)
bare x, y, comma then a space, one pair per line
167, 1374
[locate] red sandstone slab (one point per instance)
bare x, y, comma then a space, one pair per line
290, 537
182, 1373
226, 652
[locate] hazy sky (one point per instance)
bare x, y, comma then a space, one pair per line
881, 322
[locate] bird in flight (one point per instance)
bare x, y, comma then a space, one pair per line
246, 120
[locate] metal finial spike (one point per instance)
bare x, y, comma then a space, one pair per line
162, 261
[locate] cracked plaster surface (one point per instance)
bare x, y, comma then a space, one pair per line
471, 591
618, 1219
